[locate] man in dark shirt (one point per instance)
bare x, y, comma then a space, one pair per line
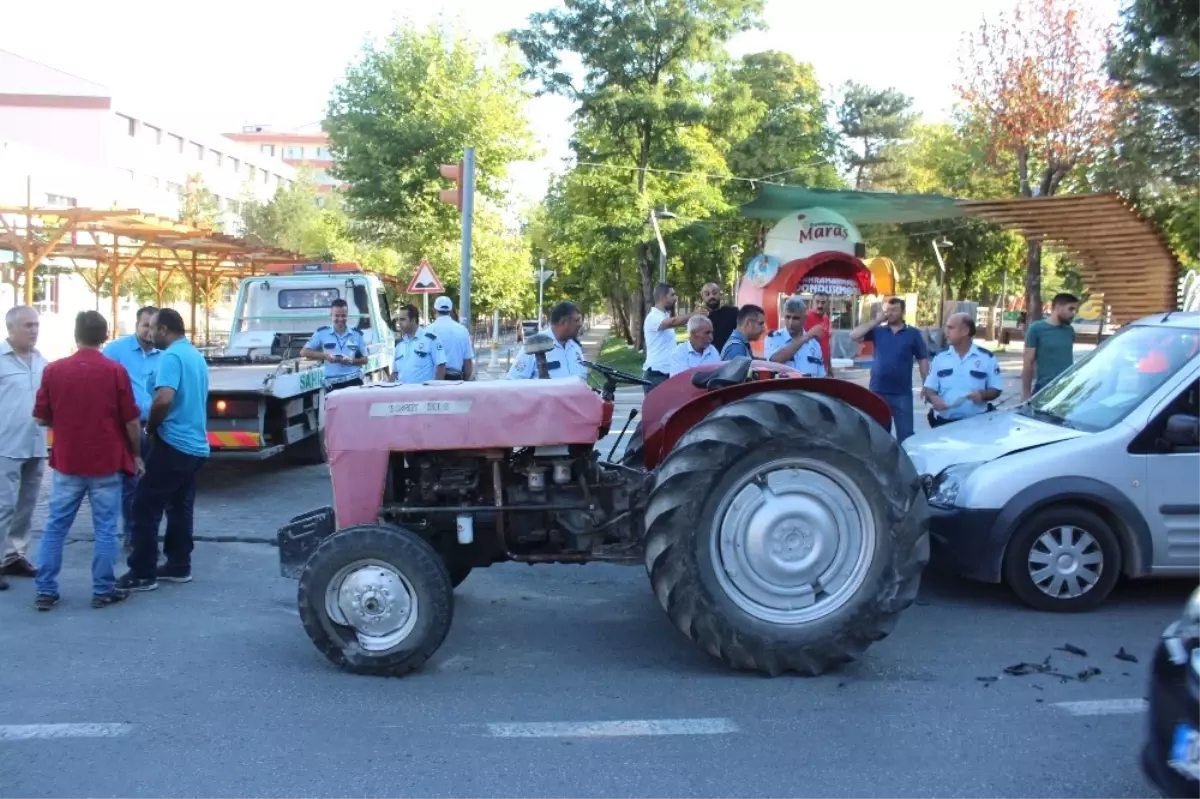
724, 318
88, 400
896, 347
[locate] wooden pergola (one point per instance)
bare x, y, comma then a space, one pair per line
116, 241
1121, 255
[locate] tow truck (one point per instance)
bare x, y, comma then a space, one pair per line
263, 397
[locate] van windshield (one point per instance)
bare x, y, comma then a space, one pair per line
1105, 386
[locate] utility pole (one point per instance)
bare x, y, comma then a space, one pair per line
543, 276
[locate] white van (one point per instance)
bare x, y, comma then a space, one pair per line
1096, 476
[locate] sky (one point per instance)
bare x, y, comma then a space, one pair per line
218, 65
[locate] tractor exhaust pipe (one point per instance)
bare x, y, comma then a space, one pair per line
632, 414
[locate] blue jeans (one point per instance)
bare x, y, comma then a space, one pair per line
128, 486
66, 493
902, 413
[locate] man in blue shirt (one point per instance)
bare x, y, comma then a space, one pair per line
177, 429
420, 356
139, 356
342, 349
565, 360
964, 377
897, 345
751, 324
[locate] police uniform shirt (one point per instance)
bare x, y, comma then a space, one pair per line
685, 357
456, 340
808, 360
418, 357
953, 378
565, 360
350, 344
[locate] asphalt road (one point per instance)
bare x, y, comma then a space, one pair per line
554, 681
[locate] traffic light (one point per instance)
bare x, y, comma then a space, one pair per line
453, 196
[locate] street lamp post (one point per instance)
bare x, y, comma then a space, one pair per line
662, 247
942, 264
543, 276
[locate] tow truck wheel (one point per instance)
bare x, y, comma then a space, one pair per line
376, 599
786, 532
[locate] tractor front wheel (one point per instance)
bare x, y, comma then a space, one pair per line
786, 532
376, 599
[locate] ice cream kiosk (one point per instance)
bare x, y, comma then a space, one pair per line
809, 252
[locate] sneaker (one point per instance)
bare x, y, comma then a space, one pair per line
20, 567
170, 574
111, 598
45, 601
131, 582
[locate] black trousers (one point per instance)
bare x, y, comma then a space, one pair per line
169, 484
655, 378
358, 381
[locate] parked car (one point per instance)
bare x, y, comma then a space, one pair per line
1171, 754
1094, 477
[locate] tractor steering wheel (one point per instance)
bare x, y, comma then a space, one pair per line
613, 374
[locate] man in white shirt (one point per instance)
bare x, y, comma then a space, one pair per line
698, 350
659, 332
455, 338
793, 345
565, 360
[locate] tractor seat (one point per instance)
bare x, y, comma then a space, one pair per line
730, 373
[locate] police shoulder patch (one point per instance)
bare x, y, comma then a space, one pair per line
985, 351
432, 336
323, 328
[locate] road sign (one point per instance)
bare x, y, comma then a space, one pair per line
425, 281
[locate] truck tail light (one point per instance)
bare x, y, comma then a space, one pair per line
232, 408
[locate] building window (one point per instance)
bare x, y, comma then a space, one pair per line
127, 124
217, 157
152, 133
267, 149
235, 206
237, 165
322, 152
177, 143
60, 201
199, 151
251, 171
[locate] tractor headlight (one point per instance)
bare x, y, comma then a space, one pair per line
945, 487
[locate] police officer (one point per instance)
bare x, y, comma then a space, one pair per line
565, 360
342, 348
963, 378
419, 354
460, 355
793, 345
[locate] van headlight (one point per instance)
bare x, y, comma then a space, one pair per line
945, 487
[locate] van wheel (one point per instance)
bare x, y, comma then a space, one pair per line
1063, 560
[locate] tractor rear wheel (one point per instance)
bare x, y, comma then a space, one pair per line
376, 599
786, 532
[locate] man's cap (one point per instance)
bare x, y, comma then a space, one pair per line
443, 303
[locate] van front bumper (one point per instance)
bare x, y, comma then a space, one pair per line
964, 541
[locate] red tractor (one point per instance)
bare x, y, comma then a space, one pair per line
781, 525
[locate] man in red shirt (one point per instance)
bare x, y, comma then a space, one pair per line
818, 314
88, 400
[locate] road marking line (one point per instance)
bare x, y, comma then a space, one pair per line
612, 729
1104, 707
31, 732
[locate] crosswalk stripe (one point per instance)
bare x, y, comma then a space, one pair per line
613, 729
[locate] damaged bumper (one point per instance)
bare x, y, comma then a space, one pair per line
963, 541
300, 537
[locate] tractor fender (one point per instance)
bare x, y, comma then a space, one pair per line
663, 425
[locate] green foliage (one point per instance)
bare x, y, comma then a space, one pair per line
876, 120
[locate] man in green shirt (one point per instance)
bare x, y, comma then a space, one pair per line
1049, 345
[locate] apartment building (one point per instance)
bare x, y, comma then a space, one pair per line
65, 140
307, 146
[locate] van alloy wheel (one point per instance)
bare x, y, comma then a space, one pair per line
1065, 562
1063, 559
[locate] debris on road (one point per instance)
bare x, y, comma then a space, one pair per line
1123, 655
1074, 650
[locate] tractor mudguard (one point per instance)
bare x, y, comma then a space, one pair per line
671, 409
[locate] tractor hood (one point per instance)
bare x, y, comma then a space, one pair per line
983, 439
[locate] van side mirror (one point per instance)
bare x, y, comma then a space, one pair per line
1183, 430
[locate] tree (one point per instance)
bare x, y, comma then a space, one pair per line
198, 206
643, 66
288, 219
877, 120
1034, 85
411, 105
